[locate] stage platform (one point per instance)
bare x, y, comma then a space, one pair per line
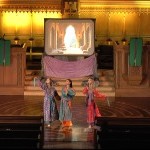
79, 137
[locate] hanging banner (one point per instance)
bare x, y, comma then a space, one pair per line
69, 69
1, 52
135, 55
5, 52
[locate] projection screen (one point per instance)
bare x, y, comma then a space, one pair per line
69, 36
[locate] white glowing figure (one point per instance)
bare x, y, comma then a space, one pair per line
70, 39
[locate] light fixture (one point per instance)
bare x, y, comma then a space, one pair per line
31, 39
124, 41
16, 39
109, 41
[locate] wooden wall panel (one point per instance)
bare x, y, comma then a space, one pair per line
101, 25
12, 76
145, 25
1, 76
138, 88
132, 24
23, 24
10, 72
116, 25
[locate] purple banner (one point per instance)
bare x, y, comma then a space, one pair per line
69, 69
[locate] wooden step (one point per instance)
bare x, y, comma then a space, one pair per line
103, 72
106, 77
100, 73
41, 93
77, 88
75, 83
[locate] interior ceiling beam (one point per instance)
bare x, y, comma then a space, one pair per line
56, 5
114, 3
30, 4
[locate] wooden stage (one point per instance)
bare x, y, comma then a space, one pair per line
79, 137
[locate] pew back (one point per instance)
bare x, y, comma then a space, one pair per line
21, 132
120, 133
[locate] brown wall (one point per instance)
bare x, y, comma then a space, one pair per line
132, 81
12, 76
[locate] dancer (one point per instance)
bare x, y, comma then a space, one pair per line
50, 107
91, 93
65, 114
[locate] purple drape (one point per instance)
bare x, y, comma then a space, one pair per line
69, 69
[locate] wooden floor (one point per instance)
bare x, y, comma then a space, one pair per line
79, 137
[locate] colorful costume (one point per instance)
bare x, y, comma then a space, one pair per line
50, 107
65, 114
92, 109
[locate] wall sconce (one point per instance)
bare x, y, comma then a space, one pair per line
109, 41
16, 39
31, 39
124, 41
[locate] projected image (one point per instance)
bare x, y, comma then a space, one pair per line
69, 37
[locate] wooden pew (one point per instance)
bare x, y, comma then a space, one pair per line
21, 132
121, 133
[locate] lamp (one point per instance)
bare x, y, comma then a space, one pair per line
16, 39
109, 41
31, 39
124, 41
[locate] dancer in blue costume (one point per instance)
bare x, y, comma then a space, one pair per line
50, 107
65, 114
